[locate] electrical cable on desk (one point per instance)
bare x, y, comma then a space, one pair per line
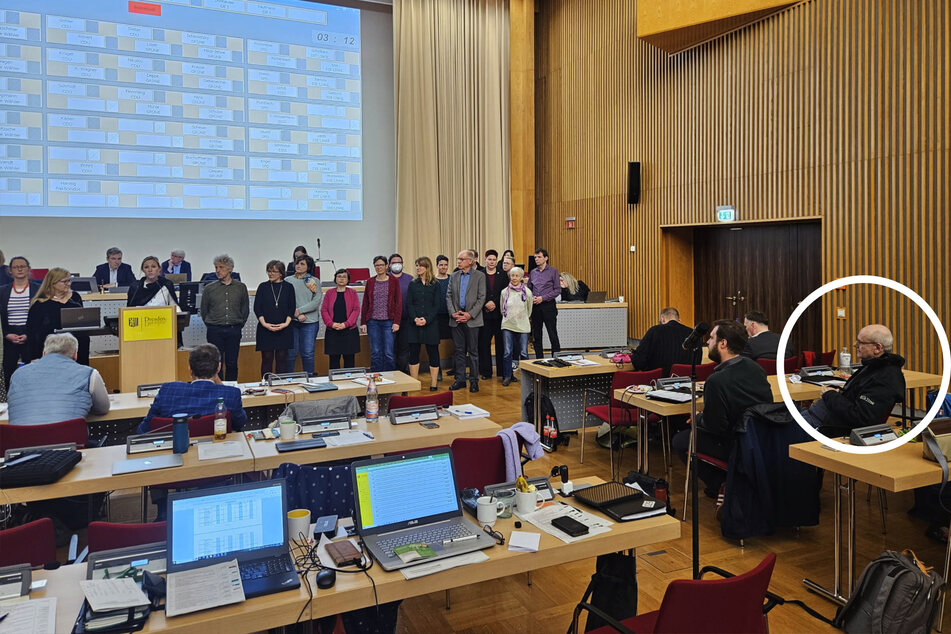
307, 561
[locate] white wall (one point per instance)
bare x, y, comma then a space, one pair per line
79, 244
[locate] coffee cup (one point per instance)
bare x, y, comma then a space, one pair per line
289, 429
507, 500
298, 522
528, 501
488, 509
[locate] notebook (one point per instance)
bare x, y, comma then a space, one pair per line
247, 522
412, 498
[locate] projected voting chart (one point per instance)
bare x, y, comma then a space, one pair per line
180, 109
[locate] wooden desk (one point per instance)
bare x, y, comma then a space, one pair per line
896, 470
93, 474
354, 591
129, 406
387, 439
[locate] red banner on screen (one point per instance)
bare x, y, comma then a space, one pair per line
145, 8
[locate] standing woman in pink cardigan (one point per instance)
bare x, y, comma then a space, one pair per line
340, 310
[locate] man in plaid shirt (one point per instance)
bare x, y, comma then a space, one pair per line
200, 396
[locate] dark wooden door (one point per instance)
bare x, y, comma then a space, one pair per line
769, 268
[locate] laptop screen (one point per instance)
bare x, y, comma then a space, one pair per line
225, 521
400, 489
79, 317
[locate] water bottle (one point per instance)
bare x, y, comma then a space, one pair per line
373, 401
179, 433
845, 359
221, 420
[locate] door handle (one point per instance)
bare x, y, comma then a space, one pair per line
735, 298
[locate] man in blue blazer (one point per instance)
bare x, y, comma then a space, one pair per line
200, 397
177, 265
113, 272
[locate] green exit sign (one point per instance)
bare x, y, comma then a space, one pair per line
726, 213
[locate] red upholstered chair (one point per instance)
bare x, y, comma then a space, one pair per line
15, 436
807, 358
38, 274
826, 358
109, 535
358, 275
734, 604
616, 413
33, 543
479, 461
704, 370
442, 399
791, 364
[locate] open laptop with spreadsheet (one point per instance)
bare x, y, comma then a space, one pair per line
410, 498
247, 522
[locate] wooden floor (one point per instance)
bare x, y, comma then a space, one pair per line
510, 605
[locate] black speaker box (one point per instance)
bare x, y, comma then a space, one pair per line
633, 182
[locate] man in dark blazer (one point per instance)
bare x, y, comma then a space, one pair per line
495, 281
661, 346
177, 265
763, 342
113, 272
464, 300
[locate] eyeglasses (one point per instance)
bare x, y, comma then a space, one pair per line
859, 342
379, 265
18, 267
65, 281
497, 536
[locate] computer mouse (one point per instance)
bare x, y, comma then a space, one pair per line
326, 579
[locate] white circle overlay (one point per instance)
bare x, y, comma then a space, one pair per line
945, 354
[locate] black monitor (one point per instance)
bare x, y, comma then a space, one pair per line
188, 297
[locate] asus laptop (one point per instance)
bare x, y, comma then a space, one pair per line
247, 522
411, 498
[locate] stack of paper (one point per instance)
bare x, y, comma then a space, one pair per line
467, 411
29, 617
203, 588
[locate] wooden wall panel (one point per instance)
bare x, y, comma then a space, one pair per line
836, 109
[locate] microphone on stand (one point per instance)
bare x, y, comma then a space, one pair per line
695, 339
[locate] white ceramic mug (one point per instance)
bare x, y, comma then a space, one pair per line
528, 501
488, 510
298, 521
289, 429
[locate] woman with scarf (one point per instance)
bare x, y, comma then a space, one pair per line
516, 300
152, 289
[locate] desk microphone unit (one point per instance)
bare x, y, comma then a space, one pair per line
15, 581
318, 424
13, 454
289, 378
872, 435
343, 374
608, 353
417, 414
144, 443
148, 390
149, 557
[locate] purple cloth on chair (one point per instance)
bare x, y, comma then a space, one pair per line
533, 446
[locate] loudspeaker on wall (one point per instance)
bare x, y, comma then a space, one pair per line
633, 182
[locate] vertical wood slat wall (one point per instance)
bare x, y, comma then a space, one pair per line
834, 108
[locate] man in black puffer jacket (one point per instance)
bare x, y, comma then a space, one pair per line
870, 393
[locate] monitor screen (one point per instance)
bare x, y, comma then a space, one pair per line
396, 490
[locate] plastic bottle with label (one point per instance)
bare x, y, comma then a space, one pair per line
221, 420
373, 401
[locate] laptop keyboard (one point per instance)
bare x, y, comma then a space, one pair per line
428, 535
260, 568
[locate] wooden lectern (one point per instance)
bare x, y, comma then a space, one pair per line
148, 340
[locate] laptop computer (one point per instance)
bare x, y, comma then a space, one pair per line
79, 318
596, 297
409, 498
136, 465
247, 522
84, 285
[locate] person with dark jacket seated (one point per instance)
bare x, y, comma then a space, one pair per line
870, 393
177, 265
200, 397
736, 384
661, 346
113, 272
153, 289
763, 342
572, 290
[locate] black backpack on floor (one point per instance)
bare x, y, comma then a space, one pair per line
896, 593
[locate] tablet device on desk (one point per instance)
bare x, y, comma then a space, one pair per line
135, 465
297, 445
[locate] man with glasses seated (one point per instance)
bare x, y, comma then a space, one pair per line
870, 393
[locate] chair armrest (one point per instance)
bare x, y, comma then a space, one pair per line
598, 392
772, 600
607, 618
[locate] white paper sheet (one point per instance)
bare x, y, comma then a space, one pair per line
380, 381
421, 570
113, 594
29, 617
524, 541
215, 450
204, 588
542, 519
353, 437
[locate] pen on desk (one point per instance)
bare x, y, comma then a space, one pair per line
446, 542
368, 435
3, 616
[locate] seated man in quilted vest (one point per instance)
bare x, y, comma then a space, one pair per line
55, 388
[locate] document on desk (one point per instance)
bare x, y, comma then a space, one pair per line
582, 362
524, 541
421, 570
347, 438
542, 519
379, 381
216, 450
29, 617
204, 588
113, 594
